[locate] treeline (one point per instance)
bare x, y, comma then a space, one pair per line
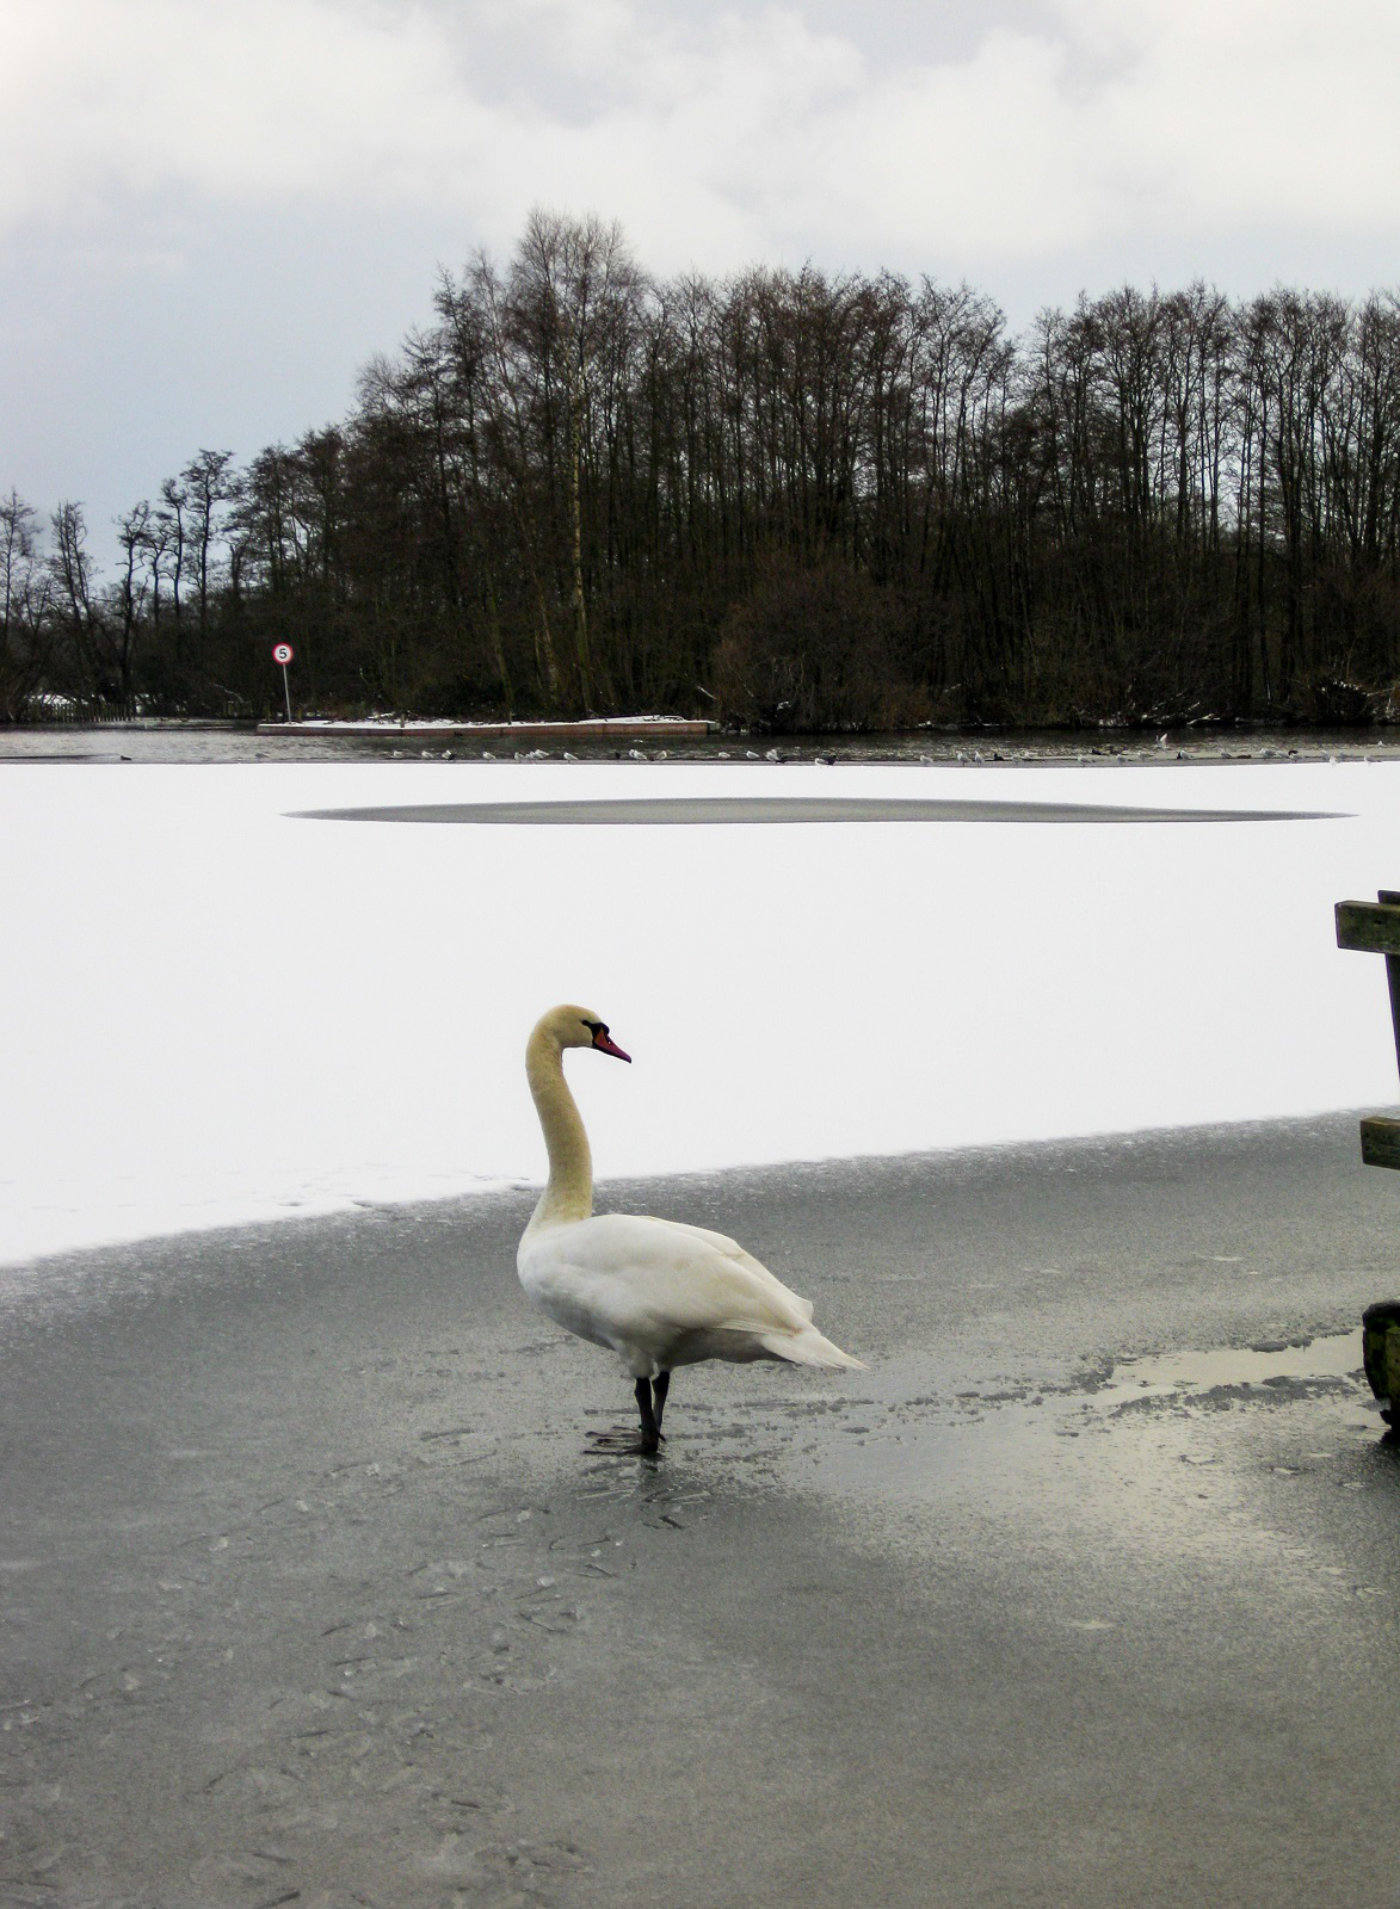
790, 500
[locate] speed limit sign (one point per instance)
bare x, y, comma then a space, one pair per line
282, 653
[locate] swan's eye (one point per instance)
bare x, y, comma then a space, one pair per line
595, 1028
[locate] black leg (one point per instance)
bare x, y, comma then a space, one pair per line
648, 1441
660, 1386
651, 1424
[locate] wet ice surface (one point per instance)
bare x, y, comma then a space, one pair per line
1268, 1371
310, 1574
496, 1667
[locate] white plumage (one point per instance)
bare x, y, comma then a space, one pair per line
659, 1293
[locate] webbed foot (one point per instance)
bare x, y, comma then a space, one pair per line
644, 1440
627, 1439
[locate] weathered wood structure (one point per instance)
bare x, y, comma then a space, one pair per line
1374, 928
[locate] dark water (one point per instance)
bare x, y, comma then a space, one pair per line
190, 743
790, 809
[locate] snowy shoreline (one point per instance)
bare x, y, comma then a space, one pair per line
220, 1013
190, 742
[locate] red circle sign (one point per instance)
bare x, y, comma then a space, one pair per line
282, 653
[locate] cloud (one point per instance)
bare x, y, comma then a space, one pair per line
716, 137
211, 215
106, 96
1255, 111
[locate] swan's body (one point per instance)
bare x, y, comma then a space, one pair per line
662, 1294
659, 1293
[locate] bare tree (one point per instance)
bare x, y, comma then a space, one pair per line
134, 535
24, 597
70, 570
208, 484
580, 488
173, 525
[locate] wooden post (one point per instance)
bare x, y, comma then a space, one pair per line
1390, 898
1374, 927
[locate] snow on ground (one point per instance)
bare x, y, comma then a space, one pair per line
454, 725
216, 1010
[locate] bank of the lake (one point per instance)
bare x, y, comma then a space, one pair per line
190, 742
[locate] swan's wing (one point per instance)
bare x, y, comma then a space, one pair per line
649, 1275
732, 1250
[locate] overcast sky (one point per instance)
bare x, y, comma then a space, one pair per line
213, 214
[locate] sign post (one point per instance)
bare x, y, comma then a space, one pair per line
282, 653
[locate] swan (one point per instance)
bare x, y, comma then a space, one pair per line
659, 1293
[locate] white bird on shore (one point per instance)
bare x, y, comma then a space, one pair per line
659, 1293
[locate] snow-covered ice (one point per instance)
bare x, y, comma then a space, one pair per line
216, 1010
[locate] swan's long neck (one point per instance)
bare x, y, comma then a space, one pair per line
569, 1194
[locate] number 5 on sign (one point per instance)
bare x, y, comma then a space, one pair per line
282, 653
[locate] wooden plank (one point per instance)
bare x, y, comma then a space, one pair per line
1372, 927
1380, 1141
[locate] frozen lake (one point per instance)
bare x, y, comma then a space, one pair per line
224, 1009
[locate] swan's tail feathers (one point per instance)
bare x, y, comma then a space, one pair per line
808, 1347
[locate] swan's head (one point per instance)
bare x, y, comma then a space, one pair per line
573, 1026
